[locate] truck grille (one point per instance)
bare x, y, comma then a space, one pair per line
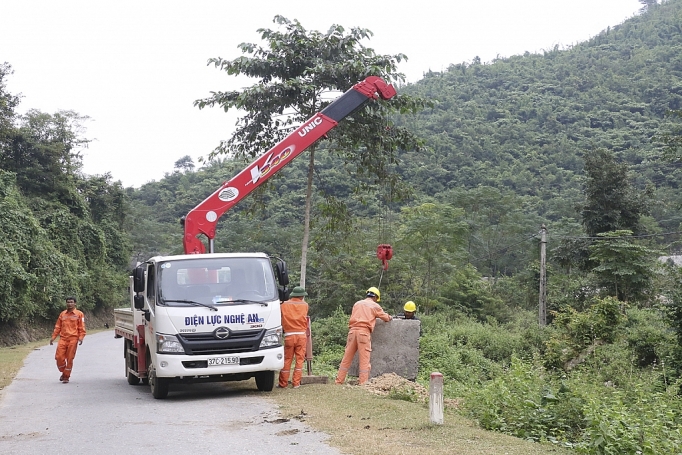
206, 343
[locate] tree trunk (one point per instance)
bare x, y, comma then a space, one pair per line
306, 221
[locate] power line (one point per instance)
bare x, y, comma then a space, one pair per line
503, 248
528, 237
617, 237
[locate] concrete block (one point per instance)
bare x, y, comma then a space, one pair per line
395, 349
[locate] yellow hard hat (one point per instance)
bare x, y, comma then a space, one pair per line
371, 292
410, 307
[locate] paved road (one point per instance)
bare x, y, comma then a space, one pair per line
99, 413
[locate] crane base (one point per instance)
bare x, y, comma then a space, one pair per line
314, 380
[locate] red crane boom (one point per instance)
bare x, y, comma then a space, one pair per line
202, 219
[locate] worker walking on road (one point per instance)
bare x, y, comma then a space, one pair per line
70, 328
361, 324
294, 324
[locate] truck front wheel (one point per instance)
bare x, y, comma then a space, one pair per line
158, 385
265, 380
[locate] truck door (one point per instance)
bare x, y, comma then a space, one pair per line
151, 294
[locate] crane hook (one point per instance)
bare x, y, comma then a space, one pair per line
384, 253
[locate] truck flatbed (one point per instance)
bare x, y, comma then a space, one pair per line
123, 323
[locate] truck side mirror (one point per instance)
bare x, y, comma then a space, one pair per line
138, 278
282, 273
284, 293
138, 301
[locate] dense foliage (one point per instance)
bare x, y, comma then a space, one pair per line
63, 233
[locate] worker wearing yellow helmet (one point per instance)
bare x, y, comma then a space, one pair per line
362, 321
409, 310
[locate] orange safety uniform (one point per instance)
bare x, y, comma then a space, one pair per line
294, 324
361, 325
70, 328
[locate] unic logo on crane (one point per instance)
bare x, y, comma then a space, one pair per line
310, 126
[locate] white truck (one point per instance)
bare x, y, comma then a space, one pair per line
216, 317
199, 318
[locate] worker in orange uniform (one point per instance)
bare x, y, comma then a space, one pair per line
70, 328
294, 324
361, 324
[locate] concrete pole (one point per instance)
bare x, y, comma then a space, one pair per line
436, 398
542, 312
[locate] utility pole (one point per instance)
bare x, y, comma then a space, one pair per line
542, 313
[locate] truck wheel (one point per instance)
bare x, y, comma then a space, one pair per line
265, 380
130, 364
158, 385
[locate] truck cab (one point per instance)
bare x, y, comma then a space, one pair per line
208, 317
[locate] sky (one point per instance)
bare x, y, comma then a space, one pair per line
136, 67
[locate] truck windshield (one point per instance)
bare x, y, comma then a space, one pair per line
216, 281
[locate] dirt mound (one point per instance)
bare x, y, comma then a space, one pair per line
392, 384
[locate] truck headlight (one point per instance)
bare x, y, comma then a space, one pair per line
272, 338
168, 344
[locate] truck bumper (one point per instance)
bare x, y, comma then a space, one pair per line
185, 366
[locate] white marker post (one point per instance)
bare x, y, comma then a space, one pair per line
436, 398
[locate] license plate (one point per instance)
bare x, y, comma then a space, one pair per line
223, 361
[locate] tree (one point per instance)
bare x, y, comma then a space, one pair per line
63, 232
625, 269
673, 312
672, 139
8, 103
646, 4
109, 208
297, 70
44, 153
498, 227
432, 235
466, 290
184, 164
610, 201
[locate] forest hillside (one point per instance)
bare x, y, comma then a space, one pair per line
505, 144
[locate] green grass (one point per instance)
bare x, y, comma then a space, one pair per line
12, 359
360, 422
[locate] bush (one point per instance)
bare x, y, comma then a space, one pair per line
330, 333
528, 403
469, 293
649, 424
494, 341
649, 336
579, 333
464, 365
327, 363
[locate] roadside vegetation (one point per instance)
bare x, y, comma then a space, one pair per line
598, 382
12, 359
360, 422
